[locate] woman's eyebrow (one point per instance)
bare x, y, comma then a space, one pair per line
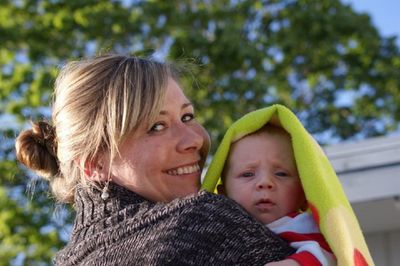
185, 105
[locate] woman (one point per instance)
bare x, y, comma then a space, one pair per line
126, 151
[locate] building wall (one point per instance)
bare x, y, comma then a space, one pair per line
384, 247
369, 171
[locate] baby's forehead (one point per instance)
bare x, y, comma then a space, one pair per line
267, 131
273, 139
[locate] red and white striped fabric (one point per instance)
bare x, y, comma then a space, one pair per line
302, 233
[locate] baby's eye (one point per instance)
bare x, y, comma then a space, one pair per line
247, 174
187, 117
281, 174
157, 127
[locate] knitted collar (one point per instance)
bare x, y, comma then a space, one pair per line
91, 208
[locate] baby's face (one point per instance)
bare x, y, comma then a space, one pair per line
262, 176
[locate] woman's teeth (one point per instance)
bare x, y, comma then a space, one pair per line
184, 170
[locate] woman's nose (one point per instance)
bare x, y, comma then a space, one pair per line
192, 138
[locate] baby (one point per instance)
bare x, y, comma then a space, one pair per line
261, 175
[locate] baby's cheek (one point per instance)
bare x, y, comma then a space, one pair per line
300, 193
241, 198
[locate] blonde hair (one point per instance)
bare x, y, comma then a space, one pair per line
97, 102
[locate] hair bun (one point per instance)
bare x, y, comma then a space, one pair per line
37, 149
45, 135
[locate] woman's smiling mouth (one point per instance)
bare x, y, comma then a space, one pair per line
184, 170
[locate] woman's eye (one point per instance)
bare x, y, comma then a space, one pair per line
187, 117
157, 127
247, 174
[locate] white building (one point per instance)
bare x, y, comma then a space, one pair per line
369, 171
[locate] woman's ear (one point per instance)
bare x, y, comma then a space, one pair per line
221, 189
87, 169
94, 170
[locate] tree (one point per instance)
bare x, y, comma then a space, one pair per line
318, 57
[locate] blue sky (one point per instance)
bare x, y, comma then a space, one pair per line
384, 13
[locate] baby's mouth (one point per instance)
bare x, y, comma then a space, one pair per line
264, 204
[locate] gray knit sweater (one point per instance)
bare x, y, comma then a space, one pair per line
203, 229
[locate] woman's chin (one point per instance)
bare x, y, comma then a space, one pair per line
194, 189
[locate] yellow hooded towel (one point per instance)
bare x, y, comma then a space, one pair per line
328, 203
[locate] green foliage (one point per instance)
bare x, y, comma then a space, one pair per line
306, 54
30, 228
26, 229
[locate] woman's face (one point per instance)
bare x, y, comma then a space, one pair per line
164, 162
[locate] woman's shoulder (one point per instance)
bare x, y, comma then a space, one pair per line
212, 204
203, 228
227, 229
205, 197
216, 213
